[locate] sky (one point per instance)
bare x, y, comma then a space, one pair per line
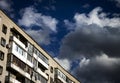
82, 35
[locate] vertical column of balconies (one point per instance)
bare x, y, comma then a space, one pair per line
25, 55
42, 64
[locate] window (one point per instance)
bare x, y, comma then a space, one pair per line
28, 70
27, 80
3, 42
51, 69
29, 57
20, 50
68, 80
4, 29
43, 58
41, 67
18, 63
1, 69
30, 49
35, 62
1, 55
42, 79
35, 51
34, 74
60, 74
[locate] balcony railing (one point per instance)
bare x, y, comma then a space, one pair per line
42, 73
20, 53
11, 80
19, 49
13, 38
43, 58
41, 61
18, 69
59, 75
19, 66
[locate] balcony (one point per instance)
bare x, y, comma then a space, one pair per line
13, 77
29, 63
20, 53
42, 73
11, 80
34, 79
18, 69
18, 66
69, 80
16, 40
59, 75
43, 63
40, 60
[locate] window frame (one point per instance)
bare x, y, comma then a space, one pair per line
29, 57
4, 29
3, 42
51, 69
2, 55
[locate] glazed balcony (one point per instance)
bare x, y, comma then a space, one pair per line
59, 75
42, 60
20, 53
17, 41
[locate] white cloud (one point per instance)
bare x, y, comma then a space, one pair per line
96, 16
65, 63
102, 60
31, 17
6, 5
46, 25
68, 24
50, 22
106, 61
84, 62
40, 36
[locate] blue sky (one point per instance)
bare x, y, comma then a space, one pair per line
82, 35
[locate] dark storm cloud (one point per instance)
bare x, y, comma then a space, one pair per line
91, 34
90, 41
98, 72
95, 41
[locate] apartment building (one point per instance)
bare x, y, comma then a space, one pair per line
22, 60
